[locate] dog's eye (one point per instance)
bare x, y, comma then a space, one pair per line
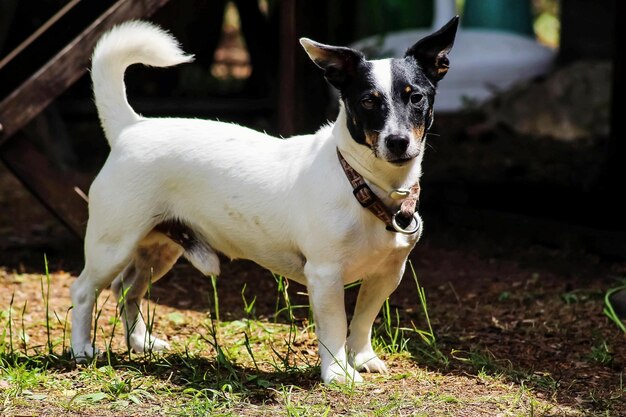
368, 103
416, 98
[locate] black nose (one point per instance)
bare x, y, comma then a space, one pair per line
397, 144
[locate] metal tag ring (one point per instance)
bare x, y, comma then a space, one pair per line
399, 194
409, 230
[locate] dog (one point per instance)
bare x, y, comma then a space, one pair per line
324, 210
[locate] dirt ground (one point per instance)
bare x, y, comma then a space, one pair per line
496, 305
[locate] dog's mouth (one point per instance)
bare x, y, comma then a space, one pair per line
401, 161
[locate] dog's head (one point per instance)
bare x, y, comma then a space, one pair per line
388, 103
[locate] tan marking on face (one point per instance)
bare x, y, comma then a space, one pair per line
408, 89
418, 132
371, 138
376, 94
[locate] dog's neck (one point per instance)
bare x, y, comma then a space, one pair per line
375, 171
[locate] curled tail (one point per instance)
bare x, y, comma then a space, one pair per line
130, 43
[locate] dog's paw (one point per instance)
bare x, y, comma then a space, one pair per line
158, 345
368, 362
139, 344
341, 374
84, 353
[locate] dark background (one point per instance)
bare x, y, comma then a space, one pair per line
495, 181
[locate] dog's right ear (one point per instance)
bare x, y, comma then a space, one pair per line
339, 63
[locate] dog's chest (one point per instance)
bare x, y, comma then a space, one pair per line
381, 252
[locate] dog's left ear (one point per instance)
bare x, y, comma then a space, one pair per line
432, 51
339, 63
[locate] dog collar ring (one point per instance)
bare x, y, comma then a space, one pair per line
409, 230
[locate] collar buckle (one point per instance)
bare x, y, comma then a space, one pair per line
365, 198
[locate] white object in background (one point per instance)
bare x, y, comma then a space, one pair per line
482, 61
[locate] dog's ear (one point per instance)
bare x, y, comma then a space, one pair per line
432, 51
339, 63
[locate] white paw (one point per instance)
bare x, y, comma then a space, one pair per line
139, 344
159, 345
368, 362
84, 353
340, 374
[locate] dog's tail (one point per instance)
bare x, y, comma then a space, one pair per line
133, 42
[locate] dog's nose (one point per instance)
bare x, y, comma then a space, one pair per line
397, 144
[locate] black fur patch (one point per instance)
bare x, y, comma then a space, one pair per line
179, 232
407, 73
360, 120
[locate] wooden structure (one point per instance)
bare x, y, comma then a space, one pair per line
63, 192
55, 189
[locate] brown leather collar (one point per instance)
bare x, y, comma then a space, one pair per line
369, 200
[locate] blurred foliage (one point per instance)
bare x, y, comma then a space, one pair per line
381, 16
547, 22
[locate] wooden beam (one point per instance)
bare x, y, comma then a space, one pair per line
65, 68
287, 88
59, 191
36, 34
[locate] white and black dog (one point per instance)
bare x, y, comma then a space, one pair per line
195, 188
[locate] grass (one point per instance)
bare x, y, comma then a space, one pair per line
261, 366
601, 353
609, 311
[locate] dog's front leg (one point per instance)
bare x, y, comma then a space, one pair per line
373, 292
326, 294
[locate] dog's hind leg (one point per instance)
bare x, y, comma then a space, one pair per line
105, 258
373, 292
154, 257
